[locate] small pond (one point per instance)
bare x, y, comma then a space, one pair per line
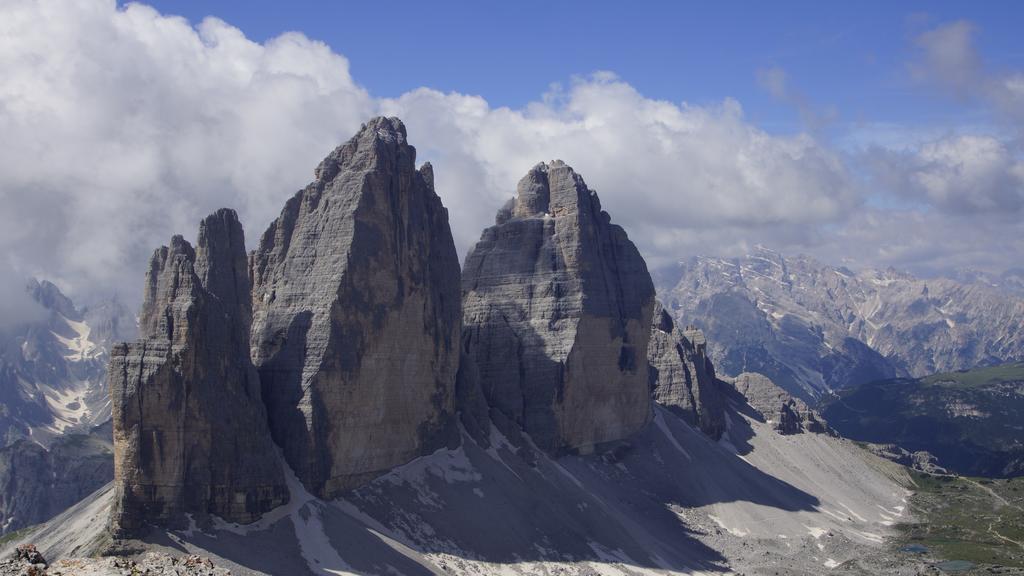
914, 549
955, 566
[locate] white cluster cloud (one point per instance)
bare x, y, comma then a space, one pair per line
680, 178
964, 175
953, 199
123, 126
928, 241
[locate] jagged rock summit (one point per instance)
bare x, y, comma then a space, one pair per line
682, 376
357, 314
190, 432
557, 312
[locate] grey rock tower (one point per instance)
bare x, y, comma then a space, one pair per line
190, 432
357, 314
682, 376
557, 313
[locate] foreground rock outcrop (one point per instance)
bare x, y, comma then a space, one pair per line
682, 377
357, 314
27, 561
190, 432
787, 414
557, 311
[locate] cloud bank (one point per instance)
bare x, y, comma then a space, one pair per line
124, 126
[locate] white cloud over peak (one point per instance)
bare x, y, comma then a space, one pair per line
670, 173
124, 126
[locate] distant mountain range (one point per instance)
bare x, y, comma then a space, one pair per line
55, 444
53, 371
971, 421
813, 328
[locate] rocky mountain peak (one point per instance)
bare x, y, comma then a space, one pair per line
379, 140
49, 296
553, 189
812, 327
189, 427
170, 280
221, 262
357, 314
557, 307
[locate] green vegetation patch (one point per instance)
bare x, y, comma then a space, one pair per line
978, 376
975, 519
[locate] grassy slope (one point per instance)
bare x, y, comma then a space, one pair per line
978, 377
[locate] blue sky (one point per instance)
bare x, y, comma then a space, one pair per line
849, 57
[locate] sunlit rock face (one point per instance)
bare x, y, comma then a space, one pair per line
557, 311
357, 314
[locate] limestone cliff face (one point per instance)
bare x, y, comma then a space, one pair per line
557, 306
190, 431
357, 314
682, 377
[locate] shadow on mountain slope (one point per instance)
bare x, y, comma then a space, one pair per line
670, 499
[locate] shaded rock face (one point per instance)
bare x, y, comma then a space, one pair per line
357, 316
37, 483
190, 433
682, 377
557, 306
788, 415
970, 420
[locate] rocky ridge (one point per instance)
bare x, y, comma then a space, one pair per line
682, 377
26, 560
786, 414
53, 369
813, 328
969, 422
557, 312
189, 427
669, 500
